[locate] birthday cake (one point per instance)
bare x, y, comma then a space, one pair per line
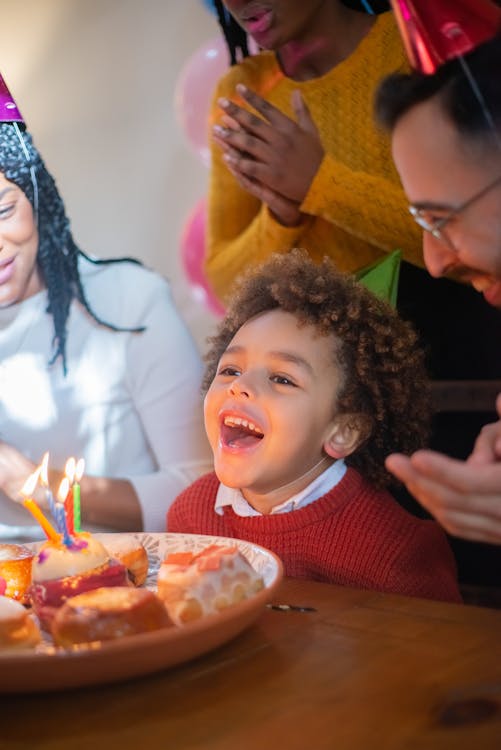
193, 585
61, 571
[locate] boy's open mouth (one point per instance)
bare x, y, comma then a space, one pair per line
237, 432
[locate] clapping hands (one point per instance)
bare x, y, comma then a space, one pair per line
272, 156
464, 496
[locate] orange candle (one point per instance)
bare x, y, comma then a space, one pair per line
29, 504
49, 529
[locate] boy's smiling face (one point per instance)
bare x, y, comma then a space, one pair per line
270, 409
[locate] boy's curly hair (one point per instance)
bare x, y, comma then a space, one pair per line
385, 377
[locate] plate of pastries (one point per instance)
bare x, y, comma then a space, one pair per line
101, 608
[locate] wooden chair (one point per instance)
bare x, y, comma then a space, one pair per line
465, 395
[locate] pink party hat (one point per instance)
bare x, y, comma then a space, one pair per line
8, 107
434, 31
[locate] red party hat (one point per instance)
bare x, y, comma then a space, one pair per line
434, 31
8, 107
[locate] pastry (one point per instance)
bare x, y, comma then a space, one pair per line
192, 585
128, 550
15, 571
108, 613
60, 572
18, 629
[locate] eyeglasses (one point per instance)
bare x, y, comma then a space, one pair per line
436, 228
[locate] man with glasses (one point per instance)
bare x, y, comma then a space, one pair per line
446, 142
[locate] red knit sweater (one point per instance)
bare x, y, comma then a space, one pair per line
353, 535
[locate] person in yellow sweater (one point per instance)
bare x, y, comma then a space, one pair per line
314, 171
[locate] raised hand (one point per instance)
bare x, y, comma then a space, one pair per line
272, 151
14, 471
465, 497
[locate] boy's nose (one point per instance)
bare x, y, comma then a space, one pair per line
241, 387
439, 258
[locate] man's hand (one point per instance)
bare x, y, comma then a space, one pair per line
465, 497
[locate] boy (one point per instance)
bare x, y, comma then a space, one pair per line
311, 381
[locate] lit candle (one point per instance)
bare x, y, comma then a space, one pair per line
44, 479
69, 472
79, 470
28, 502
62, 525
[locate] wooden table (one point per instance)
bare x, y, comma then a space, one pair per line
364, 670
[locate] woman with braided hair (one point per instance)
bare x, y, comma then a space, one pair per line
94, 362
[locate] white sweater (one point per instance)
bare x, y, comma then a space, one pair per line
130, 404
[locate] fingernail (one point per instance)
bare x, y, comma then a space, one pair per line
241, 88
223, 102
218, 130
229, 159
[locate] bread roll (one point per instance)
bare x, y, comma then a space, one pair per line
108, 613
130, 552
18, 629
195, 585
15, 571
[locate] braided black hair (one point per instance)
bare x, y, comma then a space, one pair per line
236, 37
57, 256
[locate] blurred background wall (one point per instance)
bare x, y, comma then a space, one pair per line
95, 81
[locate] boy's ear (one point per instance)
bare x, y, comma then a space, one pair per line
347, 432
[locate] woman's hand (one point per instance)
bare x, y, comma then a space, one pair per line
273, 151
14, 471
285, 211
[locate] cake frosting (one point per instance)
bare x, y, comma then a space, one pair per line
193, 585
55, 560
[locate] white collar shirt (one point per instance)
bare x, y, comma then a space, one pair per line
315, 490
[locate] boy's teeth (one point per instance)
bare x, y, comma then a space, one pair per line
232, 421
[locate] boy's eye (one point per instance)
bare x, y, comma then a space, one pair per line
229, 371
282, 380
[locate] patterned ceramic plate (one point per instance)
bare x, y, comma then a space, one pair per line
49, 668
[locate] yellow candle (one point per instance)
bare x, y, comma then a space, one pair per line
33, 508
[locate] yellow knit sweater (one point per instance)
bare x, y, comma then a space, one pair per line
356, 209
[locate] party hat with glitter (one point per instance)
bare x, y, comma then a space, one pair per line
9, 111
435, 31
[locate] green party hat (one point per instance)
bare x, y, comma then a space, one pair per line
381, 277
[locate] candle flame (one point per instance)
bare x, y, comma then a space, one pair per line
70, 469
63, 490
44, 470
79, 470
30, 484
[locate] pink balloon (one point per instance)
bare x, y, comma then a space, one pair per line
193, 256
194, 91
